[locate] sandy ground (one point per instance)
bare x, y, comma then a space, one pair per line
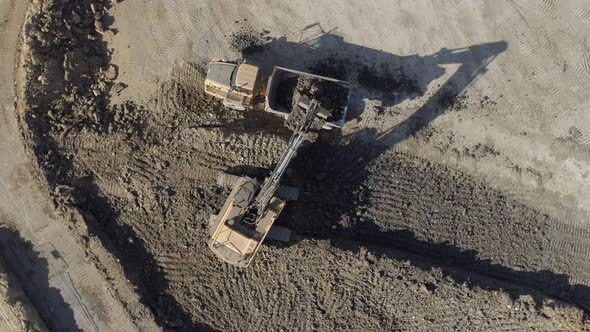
455, 197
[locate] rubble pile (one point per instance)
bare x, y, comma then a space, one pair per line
246, 42
69, 67
331, 95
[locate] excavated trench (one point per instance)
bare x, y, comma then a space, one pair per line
383, 235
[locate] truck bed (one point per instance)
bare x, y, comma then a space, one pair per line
278, 93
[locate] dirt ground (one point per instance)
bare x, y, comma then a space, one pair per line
454, 198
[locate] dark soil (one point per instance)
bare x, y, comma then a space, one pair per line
451, 100
390, 84
331, 95
246, 42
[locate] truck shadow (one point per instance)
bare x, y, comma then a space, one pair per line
37, 278
328, 200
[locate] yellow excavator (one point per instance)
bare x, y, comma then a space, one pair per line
252, 207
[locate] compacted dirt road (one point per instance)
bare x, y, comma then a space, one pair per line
454, 198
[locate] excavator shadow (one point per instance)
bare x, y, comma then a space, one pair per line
374, 74
333, 170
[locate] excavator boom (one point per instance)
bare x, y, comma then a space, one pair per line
272, 182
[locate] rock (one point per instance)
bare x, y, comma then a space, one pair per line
111, 73
117, 88
424, 289
108, 33
88, 21
76, 18
96, 61
98, 26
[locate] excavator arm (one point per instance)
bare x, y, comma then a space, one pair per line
271, 183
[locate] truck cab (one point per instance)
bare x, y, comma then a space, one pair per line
235, 83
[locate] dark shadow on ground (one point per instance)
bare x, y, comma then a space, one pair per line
334, 200
374, 74
462, 265
34, 273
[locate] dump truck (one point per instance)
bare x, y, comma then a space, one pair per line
246, 218
278, 86
239, 84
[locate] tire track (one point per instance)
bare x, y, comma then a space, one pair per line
583, 14
437, 212
584, 66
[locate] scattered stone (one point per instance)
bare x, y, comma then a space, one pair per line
111, 73
118, 87
246, 42
98, 26
451, 100
76, 18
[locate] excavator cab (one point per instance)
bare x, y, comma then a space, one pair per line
237, 232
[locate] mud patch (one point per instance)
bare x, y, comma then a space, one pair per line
451, 100
246, 42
